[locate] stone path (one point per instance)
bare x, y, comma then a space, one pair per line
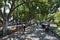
31, 33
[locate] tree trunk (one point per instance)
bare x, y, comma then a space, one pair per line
5, 27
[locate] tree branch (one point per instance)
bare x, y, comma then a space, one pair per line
17, 6
14, 9
1, 14
12, 5
13, 1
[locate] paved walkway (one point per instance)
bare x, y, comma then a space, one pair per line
31, 33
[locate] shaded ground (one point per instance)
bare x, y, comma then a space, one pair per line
31, 33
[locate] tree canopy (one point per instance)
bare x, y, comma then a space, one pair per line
27, 10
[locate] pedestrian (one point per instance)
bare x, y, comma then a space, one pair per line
24, 26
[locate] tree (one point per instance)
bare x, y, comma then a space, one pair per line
11, 6
27, 10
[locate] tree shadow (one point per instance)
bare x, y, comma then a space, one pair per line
32, 33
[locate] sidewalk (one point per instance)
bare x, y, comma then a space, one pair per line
31, 33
